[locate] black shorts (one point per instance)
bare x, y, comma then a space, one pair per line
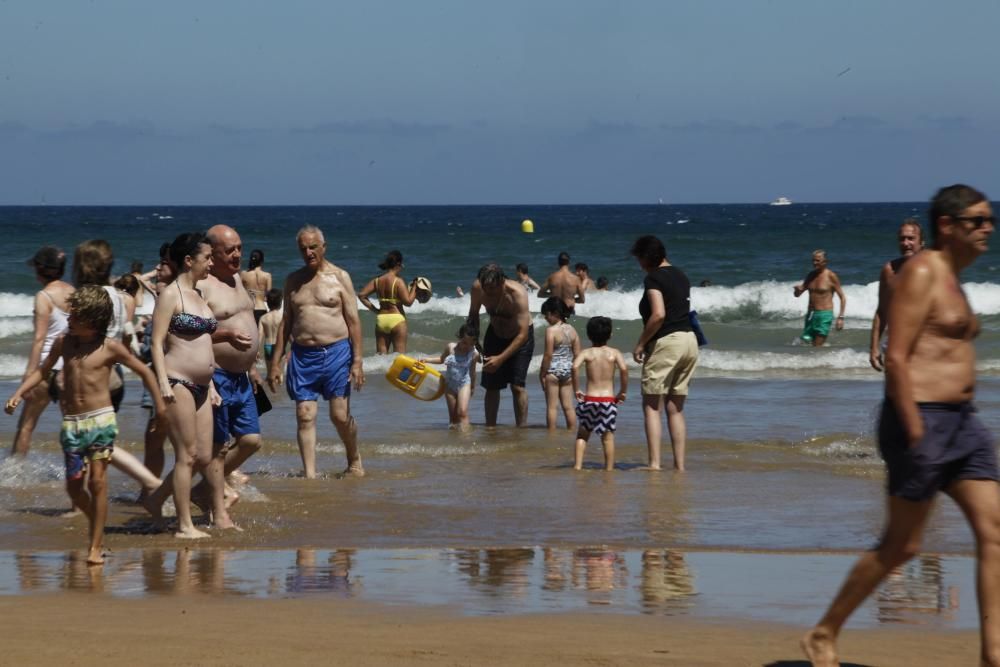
515, 370
956, 445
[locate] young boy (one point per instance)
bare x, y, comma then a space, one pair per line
88, 427
270, 322
597, 410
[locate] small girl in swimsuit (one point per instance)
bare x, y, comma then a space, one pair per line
460, 359
562, 344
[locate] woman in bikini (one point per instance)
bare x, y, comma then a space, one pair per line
257, 282
183, 360
51, 320
393, 293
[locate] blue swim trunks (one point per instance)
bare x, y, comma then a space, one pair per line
322, 370
955, 446
87, 437
238, 413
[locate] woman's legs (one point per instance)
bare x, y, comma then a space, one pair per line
398, 335
651, 411
381, 342
34, 405
678, 429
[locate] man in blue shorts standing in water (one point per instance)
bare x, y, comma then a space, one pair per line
928, 433
321, 317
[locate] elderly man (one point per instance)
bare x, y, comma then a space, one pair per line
911, 241
235, 344
508, 343
321, 317
822, 284
928, 432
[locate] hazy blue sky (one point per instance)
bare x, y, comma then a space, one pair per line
464, 101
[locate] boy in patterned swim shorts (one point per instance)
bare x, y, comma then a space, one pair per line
597, 409
89, 427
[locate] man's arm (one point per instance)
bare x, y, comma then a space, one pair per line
475, 303
908, 311
281, 339
350, 309
879, 319
546, 289
581, 292
835, 281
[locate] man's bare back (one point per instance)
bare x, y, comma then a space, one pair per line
564, 285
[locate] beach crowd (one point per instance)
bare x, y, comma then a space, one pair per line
213, 321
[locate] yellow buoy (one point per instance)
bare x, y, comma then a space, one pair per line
527, 226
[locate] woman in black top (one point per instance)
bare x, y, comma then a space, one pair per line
667, 347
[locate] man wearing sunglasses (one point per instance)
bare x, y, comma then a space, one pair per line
928, 433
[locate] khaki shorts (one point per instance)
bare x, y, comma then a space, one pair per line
670, 365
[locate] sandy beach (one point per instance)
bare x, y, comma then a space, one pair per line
90, 630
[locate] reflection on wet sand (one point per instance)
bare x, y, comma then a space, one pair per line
777, 586
916, 589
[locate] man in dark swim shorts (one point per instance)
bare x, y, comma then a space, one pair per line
508, 343
928, 433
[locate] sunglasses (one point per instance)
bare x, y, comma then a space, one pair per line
978, 220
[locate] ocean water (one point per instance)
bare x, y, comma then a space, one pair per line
781, 454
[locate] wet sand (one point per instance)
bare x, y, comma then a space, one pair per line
170, 630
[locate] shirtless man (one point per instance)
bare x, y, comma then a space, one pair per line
235, 344
564, 284
928, 433
321, 316
509, 341
525, 279
911, 241
822, 284
583, 273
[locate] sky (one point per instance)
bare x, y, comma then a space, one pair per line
469, 102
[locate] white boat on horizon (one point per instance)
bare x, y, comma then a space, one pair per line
782, 201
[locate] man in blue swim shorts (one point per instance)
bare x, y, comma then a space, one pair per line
822, 284
321, 316
928, 433
235, 344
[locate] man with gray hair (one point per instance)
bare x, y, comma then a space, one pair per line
822, 284
321, 318
508, 343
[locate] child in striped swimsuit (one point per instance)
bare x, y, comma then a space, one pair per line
597, 409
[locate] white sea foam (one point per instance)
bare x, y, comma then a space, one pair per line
15, 326
12, 365
838, 359
16, 305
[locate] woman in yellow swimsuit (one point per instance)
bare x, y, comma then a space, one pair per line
393, 293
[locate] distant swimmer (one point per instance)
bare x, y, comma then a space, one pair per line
928, 433
564, 284
321, 322
822, 284
911, 241
583, 273
602, 284
525, 279
509, 341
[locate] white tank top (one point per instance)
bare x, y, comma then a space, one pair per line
58, 324
117, 326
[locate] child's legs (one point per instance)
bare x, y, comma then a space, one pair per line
462, 404
452, 401
551, 400
77, 491
98, 514
153, 457
566, 398
608, 440
582, 436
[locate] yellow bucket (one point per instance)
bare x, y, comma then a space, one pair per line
419, 381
